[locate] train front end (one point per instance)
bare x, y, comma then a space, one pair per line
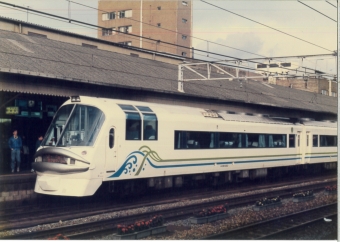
64, 162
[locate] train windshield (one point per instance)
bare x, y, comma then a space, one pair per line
74, 125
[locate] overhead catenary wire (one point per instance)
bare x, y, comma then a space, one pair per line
264, 57
170, 30
137, 36
317, 11
266, 26
331, 4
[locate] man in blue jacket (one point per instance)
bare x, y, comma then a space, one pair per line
15, 145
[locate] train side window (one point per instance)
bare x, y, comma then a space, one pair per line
195, 140
315, 140
328, 140
126, 107
292, 141
279, 140
144, 109
150, 126
307, 139
133, 126
298, 142
111, 138
180, 140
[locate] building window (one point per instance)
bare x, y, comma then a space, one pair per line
184, 53
121, 14
184, 20
107, 32
124, 14
159, 25
184, 37
125, 29
112, 15
185, 3
333, 94
125, 43
108, 16
324, 92
159, 7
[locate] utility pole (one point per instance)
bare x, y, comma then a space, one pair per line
27, 12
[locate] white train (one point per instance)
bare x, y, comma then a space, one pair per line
92, 141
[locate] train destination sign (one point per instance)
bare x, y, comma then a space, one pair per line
12, 110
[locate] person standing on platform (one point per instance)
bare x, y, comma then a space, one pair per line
15, 145
37, 145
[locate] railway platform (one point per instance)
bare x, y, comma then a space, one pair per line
17, 188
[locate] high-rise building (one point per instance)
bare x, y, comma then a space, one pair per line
159, 20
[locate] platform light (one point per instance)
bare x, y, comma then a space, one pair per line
75, 99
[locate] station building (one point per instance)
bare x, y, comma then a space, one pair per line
41, 67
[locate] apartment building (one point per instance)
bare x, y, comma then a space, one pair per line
157, 21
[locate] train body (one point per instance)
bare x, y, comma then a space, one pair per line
92, 141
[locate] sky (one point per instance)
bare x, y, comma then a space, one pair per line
216, 25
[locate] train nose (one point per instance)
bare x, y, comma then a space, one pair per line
49, 183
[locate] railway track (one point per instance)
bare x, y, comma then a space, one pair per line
30, 216
107, 226
271, 228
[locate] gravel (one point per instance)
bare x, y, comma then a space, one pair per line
155, 209
241, 217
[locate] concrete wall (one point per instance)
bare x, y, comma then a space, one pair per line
16, 190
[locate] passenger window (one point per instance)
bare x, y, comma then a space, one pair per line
298, 142
291, 140
111, 138
328, 140
315, 141
133, 126
307, 140
150, 127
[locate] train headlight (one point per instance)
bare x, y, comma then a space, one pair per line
75, 99
38, 159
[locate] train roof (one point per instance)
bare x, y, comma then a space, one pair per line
211, 114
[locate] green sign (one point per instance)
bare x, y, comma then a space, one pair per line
12, 110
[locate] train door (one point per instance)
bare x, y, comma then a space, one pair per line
111, 151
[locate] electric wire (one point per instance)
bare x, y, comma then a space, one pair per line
331, 4
172, 30
317, 11
271, 58
266, 26
137, 36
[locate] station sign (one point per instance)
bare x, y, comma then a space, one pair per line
12, 110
